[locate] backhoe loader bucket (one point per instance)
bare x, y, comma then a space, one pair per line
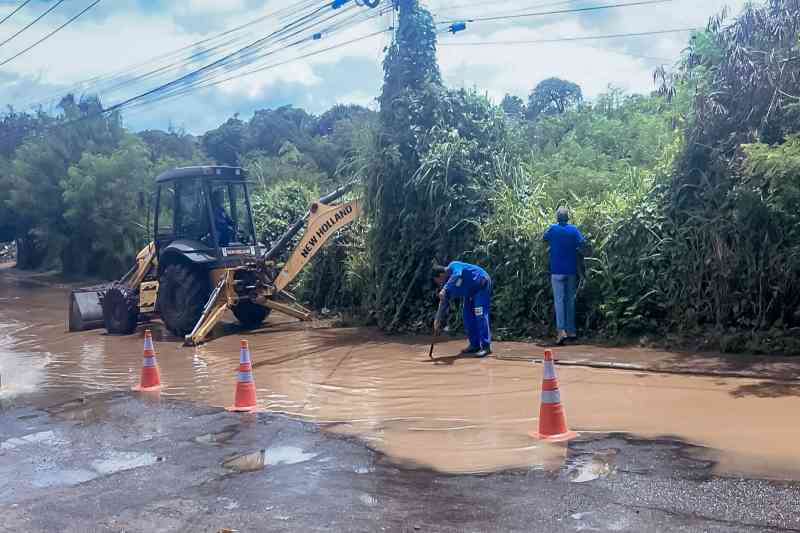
85, 310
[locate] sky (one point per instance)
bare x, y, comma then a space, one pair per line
106, 49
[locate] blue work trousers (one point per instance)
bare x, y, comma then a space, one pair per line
476, 317
564, 286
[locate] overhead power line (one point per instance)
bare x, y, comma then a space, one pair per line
250, 53
14, 12
214, 80
233, 56
43, 39
557, 12
264, 68
207, 75
242, 54
128, 73
508, 10
34, 21
454, 42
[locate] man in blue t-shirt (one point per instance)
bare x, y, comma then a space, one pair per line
473, 284
565, 242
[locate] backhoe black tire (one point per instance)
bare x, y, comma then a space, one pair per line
120, 309
183, 291
250, 315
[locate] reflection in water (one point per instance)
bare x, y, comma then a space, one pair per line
584, 468
467, 416
20, 369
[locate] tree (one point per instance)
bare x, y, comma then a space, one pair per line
226, 144
270, 128
106, 207
513, 106
398, 207
16, 127
172, 144
341, 112
553, 95
37, 172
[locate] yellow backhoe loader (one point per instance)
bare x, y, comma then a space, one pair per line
205, 259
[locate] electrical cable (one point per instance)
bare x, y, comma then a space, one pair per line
558, 12
568, 39
268, 67
14, 12
214, 80
34, 21
43, 39
126, 72
222, 62
191, 59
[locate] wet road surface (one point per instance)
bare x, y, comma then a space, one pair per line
116, 462
69, 432
454, 415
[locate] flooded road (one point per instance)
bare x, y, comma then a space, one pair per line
455, 416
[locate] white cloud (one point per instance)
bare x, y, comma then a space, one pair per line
195, 7
125, 34
626, 63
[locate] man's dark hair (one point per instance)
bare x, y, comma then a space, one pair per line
438, 270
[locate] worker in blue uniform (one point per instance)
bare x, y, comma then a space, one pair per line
566, 243
474, 285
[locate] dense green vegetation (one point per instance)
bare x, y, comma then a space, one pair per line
688, 195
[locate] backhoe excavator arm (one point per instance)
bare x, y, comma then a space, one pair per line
323, 222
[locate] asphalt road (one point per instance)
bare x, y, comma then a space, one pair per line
118, 462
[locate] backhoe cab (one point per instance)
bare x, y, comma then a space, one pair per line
205, 259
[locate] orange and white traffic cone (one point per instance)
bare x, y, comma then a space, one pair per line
245, 386
150, 379
552, 420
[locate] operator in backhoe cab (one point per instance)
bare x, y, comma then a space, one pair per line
474, 285
226, 229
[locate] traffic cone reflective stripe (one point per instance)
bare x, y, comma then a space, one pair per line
549, 367
245, 397
150, 380
551, 396
552, 419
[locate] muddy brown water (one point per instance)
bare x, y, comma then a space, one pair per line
456, 415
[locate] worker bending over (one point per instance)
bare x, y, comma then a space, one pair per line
473, 284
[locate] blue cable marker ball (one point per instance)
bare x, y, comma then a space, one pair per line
457, 27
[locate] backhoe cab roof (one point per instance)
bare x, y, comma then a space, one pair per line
207, 172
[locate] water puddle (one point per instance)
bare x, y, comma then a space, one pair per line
47, 438
21, 370
119, 461
585, 468
246, 463
49, 472
467, 416
216, 439
287, 455
63, 478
